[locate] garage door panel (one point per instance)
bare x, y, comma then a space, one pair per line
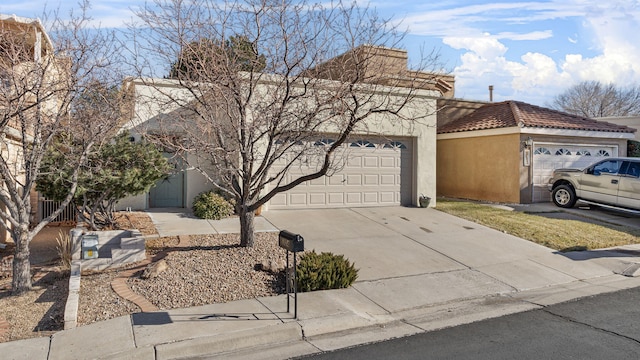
335, 198
371, 179
370, 162
370, 197
354, 179
353, 198
298, 199
389, 197
389, 179
337, 179
354, 162
317, 198
388, 162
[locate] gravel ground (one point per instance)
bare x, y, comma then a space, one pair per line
213, 269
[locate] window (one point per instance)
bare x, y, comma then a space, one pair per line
324, 142
362, 143
633, 169
563, 151
606, 167
394, 145
583, 152
602, 153
542, 151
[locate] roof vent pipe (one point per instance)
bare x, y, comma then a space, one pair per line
490, 93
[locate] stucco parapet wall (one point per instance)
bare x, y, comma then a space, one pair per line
274, 79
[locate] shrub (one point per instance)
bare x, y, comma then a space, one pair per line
209, 205
324, 271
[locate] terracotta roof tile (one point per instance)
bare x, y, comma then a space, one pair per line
516, 113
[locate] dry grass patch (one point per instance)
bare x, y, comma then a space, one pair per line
558, 234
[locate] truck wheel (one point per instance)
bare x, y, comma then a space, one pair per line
564, 196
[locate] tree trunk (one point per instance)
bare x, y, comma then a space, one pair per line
21, 266
246, 227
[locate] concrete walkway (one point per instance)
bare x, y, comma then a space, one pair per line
420, 270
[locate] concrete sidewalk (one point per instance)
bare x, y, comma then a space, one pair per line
420, 270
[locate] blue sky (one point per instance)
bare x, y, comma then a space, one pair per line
528, 50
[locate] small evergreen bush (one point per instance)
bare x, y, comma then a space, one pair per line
209, 205
324, 271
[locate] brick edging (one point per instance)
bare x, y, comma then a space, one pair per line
120, 287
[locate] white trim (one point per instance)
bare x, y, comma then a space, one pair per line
578, 133
536, 131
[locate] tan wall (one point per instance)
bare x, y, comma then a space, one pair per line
480, 168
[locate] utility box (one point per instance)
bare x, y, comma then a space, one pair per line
290, 241
90, 246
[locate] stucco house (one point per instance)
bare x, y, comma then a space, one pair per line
25, 49
506, 151
386, 164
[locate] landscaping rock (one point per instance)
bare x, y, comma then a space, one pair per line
154, 269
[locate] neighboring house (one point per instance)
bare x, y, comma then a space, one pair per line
389, 165
506, 151
24, 47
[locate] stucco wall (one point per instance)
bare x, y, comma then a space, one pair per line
480, 168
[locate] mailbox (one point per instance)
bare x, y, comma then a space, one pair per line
290, 241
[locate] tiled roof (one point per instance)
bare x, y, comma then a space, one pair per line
515, 113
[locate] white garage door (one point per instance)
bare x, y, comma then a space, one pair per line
547, 157
373, 173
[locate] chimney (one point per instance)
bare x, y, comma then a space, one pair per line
490, 93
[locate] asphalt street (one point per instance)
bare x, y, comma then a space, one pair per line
600, 327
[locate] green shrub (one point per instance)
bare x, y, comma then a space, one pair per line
209, 205
324, 271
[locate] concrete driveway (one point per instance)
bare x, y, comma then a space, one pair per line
415, 246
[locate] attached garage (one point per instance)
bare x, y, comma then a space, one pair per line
371, 172
550, 156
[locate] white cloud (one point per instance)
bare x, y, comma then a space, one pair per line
608, 28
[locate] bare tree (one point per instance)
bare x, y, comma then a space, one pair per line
249, 119
594, 99
42, 79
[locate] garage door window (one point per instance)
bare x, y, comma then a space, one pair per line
603, 153
583, 152
542, 151
362, 143
395, 145
563, 151
324, 142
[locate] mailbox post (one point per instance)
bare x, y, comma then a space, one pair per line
292, 243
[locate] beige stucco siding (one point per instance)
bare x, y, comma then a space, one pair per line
480, 168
